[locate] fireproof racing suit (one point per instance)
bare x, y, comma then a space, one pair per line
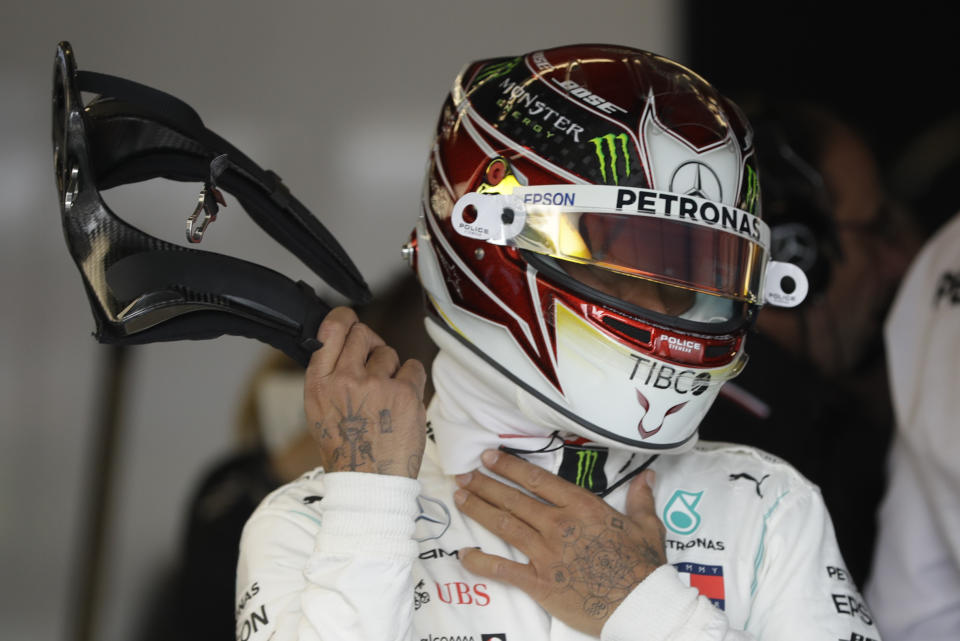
350, 556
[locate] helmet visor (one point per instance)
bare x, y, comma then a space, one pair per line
683, 241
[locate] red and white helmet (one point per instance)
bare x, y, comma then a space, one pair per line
591, 228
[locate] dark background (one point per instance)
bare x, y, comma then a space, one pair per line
892, 73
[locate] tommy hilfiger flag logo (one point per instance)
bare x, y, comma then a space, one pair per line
708, 579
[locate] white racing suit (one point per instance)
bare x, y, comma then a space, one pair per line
349, 556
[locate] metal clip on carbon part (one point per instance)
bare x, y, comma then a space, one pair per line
207, 202
195, 230
73, 188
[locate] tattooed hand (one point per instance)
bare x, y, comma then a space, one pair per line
585, 557
365, 409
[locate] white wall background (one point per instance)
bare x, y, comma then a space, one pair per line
340, 99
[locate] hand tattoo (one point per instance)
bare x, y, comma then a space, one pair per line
413, 465
386, 423
601, 564
324, 432
352, 427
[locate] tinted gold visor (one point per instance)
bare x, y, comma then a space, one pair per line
659, 250
676, 240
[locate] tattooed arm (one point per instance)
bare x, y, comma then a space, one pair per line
322, 553
366, 409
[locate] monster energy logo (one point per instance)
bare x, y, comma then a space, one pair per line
583, 466
586, 464
609, 142
498, 69
753, 190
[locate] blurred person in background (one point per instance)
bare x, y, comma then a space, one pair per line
926, 173
915, 582
273, 448
815, 390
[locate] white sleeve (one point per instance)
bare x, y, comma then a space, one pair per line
800, 589
662, 608
915, 583
321, 554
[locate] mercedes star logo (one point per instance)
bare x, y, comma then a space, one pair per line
694, 178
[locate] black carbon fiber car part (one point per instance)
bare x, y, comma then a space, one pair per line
143, 289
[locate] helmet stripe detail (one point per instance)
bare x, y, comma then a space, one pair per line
537, 307
443, 175
436, 306
477, 138
438, 236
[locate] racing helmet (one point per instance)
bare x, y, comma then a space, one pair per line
591, 229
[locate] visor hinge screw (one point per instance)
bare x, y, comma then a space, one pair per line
478, 253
